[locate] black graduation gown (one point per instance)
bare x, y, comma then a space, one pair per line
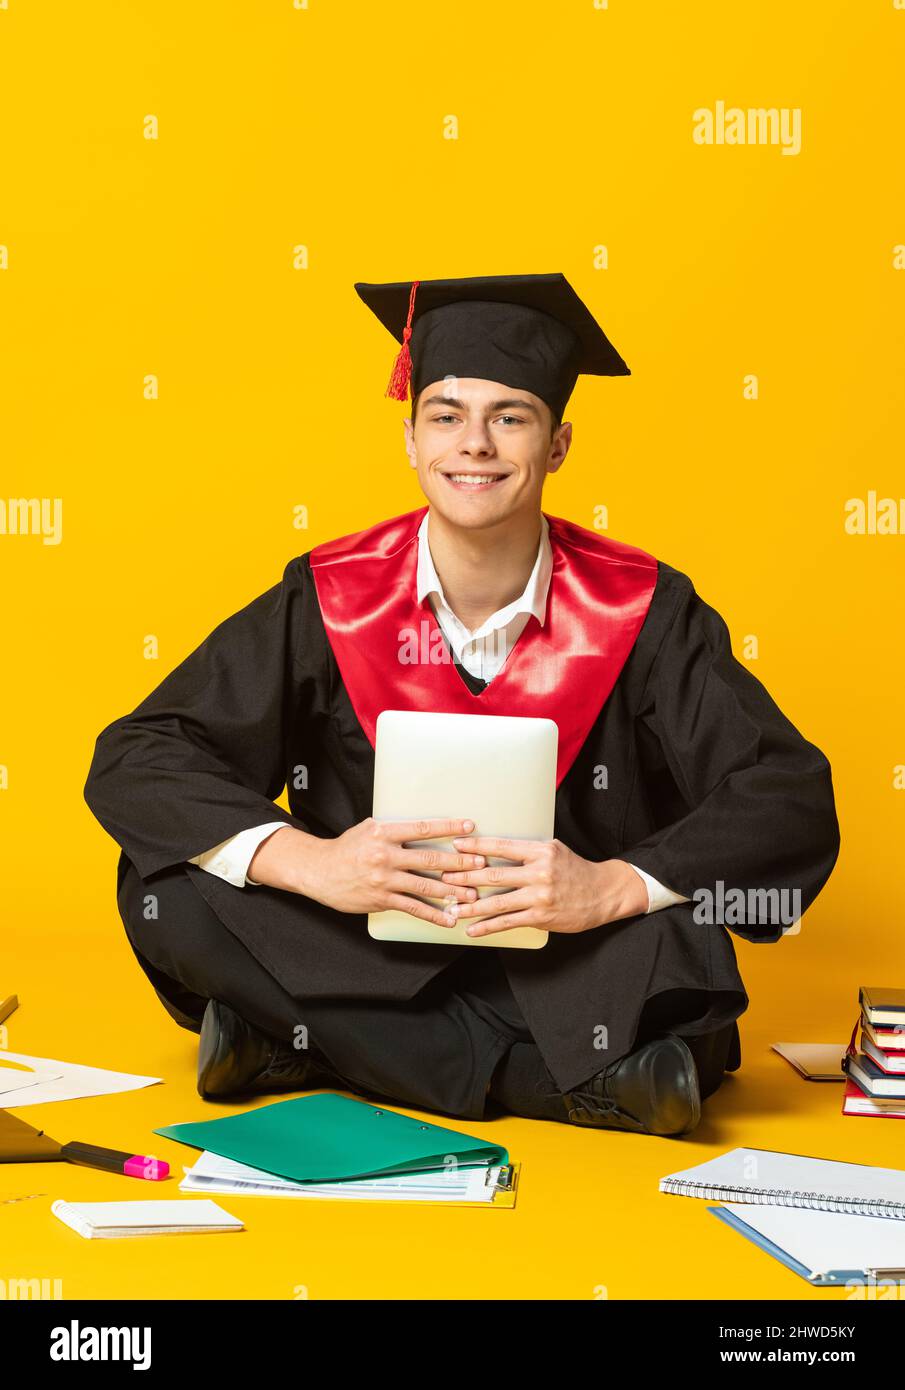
706, 781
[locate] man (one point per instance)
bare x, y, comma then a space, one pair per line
678, 776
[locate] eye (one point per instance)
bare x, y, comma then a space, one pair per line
442, 419
512, 419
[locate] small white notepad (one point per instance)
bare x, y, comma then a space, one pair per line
109, 1220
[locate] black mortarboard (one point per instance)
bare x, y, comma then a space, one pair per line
530, 332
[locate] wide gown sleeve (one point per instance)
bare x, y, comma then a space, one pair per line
204, 756
750, 801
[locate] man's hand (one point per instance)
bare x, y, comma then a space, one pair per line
548, 887
367, 868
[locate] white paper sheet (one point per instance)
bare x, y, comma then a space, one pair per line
12, 1079
64, 1081
211, 1173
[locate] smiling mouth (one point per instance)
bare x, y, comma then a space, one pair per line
474, 482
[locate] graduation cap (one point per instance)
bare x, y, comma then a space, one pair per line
530, 332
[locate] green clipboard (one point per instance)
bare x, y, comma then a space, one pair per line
329, 1138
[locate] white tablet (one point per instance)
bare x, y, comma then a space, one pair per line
498, 771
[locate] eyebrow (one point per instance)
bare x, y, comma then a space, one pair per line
495, 405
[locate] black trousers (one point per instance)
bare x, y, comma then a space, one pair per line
437, 1051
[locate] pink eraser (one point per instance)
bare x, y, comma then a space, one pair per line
138, 1166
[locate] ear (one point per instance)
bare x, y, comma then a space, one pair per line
410, 442
559, 447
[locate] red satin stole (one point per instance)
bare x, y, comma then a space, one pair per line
391, 652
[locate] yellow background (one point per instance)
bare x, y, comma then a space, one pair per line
324, 128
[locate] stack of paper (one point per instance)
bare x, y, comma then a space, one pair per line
212, 1173
110, 1220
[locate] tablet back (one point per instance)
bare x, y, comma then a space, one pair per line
498, 771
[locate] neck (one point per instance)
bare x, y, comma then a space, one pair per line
482, 571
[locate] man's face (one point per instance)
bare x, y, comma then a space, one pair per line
483, 450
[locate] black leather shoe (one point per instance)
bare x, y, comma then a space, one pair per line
234, 1057
654, 1090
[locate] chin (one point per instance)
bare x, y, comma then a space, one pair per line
472, 514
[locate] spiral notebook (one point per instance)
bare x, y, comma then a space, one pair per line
793, 1180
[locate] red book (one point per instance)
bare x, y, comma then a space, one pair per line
892, 1063
856, 1102
889, 1039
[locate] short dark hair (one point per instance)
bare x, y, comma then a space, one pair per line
556, 422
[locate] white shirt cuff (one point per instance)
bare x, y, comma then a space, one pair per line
657, 895
230, 860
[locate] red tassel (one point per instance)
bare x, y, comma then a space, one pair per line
401, 375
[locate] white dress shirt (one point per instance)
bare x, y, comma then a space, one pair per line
482, 652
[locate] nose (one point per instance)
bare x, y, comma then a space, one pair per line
476, 441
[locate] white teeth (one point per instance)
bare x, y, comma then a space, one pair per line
471, 478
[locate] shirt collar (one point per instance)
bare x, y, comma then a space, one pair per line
532, 600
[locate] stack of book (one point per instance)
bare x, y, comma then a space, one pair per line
876, 1074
